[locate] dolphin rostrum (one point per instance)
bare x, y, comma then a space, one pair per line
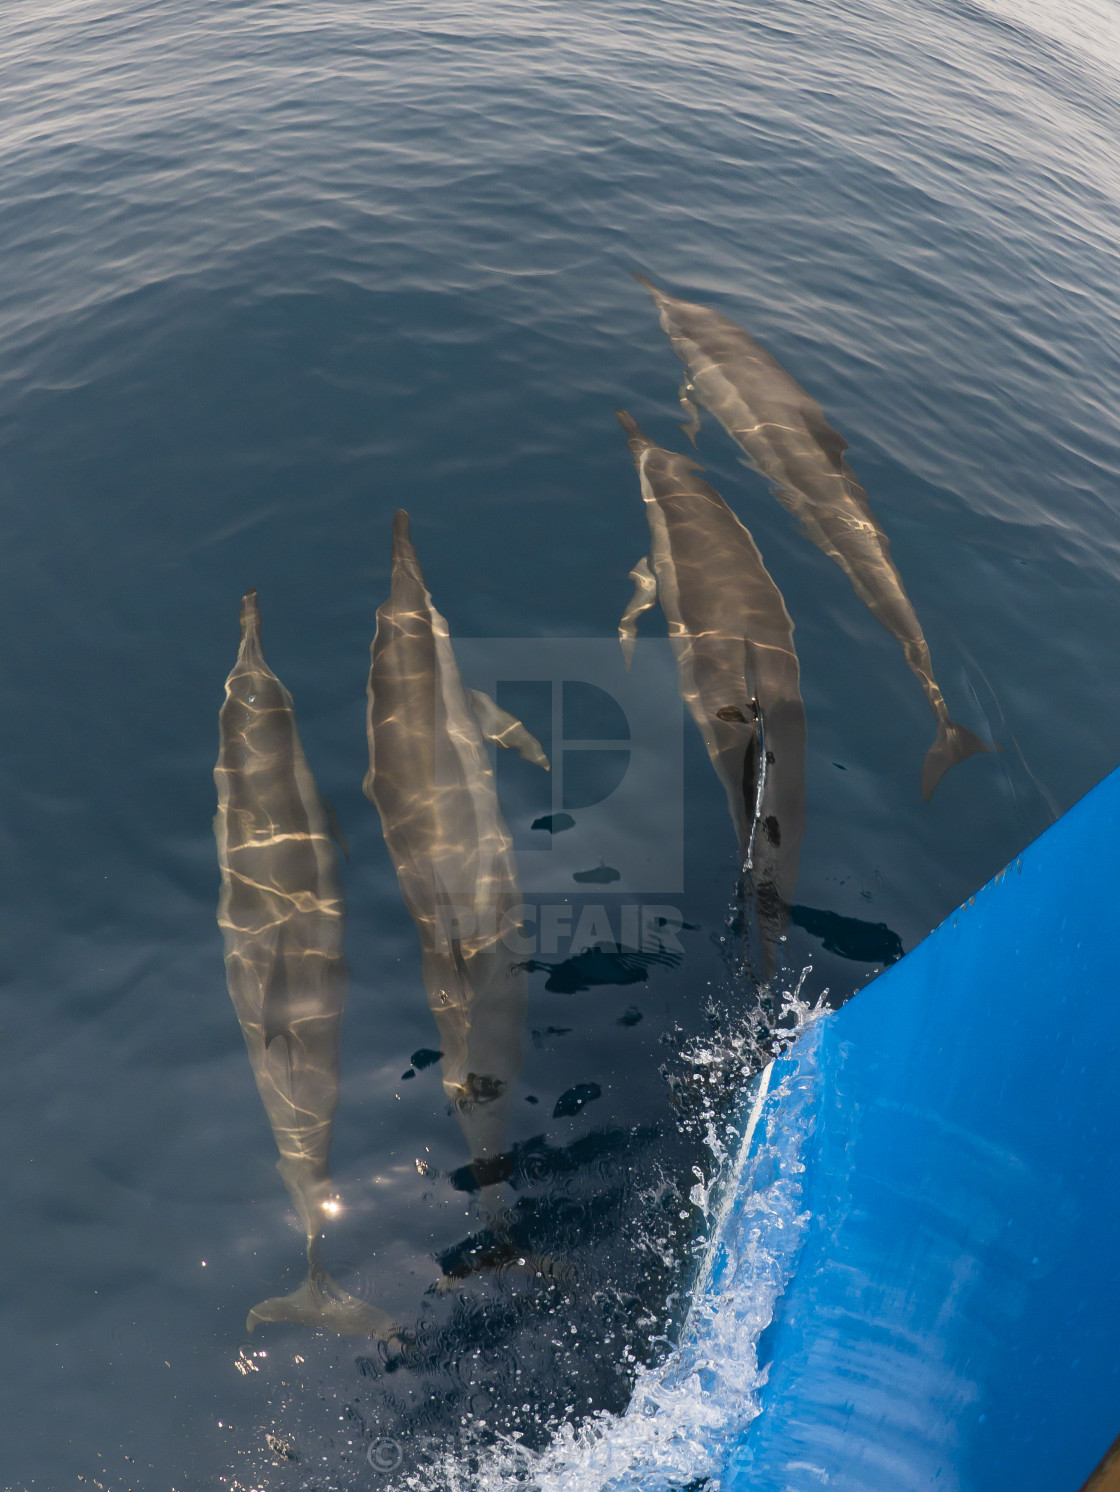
282, 913
785, 434
738, 671
431, 781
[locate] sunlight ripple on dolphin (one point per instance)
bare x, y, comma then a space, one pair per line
736, 663
281, 913
431, 781
785, 434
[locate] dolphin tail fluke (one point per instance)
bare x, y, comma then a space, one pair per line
324, 1305
953, 744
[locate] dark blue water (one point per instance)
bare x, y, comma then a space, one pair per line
271, 272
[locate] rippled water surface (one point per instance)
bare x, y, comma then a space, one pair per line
273, 271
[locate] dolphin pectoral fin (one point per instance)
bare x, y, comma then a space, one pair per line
324, 1305
953, 744
690, 408
645, 596
334, 826
506, 730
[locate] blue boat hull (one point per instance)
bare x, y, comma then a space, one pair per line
952, 1319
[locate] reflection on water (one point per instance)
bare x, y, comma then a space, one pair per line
691, 1408
275, 271
432, 782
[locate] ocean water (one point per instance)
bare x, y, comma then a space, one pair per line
272, 272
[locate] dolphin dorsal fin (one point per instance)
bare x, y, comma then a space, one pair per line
506, 730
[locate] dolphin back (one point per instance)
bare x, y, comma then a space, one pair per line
736, 663
784, 433
282, 917
432, 783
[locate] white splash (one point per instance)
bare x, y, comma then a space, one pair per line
686, 1414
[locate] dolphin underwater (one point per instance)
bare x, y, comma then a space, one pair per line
736, 664
431, 782
785, 434
282, 916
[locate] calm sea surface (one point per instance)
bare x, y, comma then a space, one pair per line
272, 271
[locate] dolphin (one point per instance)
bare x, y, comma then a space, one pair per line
282, 915
785, 434
736, 664
431, 782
